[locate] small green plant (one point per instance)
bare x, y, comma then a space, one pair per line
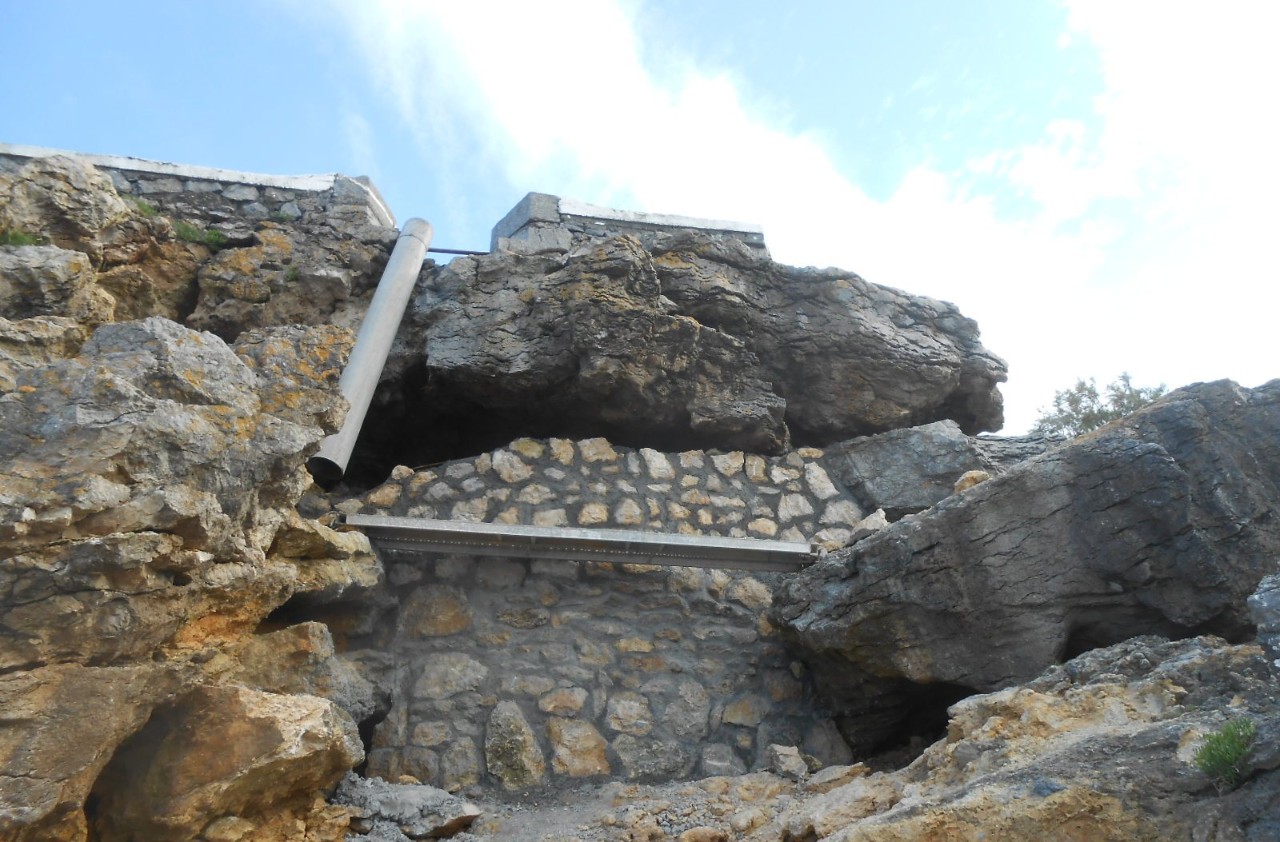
20, 238
1223, 753
291, 274
189, 233
279, 216
145, 208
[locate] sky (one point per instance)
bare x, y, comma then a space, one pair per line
1094, 181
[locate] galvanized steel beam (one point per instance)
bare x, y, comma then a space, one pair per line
422, 535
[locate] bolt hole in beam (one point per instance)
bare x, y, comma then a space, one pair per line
424, 535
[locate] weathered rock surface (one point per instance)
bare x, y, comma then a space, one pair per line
53, 749
113, 258
301, 660
130, 265
1101, 747
1158, 523
511, 749
34, 343
66, 202
222, 751
291, 274
142, 484
694, 343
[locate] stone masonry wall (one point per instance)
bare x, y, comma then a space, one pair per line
516, 674
222, 196
595, 484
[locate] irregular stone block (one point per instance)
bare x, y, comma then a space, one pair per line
577, 748
511, 750
436, 611
419, 812
446, 674
629, 713
720, 759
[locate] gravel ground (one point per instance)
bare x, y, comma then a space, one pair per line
709, 810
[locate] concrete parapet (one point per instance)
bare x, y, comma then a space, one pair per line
541, 221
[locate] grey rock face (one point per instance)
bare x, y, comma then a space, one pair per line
906, 471
1264, 608
694, 342
1157, 524
44, 281
388, 811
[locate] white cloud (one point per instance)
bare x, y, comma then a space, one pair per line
1148, 251
359, 137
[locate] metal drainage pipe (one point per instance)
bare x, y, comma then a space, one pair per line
373, 343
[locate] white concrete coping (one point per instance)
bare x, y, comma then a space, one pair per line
573, 207
310, 183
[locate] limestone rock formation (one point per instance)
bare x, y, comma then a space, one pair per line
695, 342
1101, 747
1155, 524
291, 274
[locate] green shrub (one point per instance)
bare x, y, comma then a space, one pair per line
189, 233
145, 208
1082, 408
1223, 753
20, 238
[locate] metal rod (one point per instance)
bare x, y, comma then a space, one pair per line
454, 251
423, 535
373, 343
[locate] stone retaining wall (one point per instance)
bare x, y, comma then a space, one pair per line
217, 195
593, 483
517, 674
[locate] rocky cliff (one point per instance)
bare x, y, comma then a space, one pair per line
193, 647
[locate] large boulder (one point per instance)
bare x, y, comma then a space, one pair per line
141, 484
1160, 523
66, 201
219, 752
690, 342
